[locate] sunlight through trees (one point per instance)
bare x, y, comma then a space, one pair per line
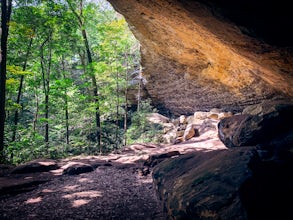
70, 65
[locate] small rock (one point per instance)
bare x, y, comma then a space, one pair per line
190, 132
182, 119
213, 116
201, 115
180, 133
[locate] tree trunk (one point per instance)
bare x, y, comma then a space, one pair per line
139, 89
66, 105
46, 84
47, 96
20, 91
90, 61
47, 118
97, 112
95, 91
117, 102
66, 118
36, 115
126, 101
5, 18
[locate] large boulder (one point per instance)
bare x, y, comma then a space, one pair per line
226, 184
204, 185
265, 123
157, 118
75, 168
40, 165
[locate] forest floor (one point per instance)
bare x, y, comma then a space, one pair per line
121, 186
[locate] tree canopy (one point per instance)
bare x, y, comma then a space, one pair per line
69, 67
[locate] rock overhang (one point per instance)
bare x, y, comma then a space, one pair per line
198, 55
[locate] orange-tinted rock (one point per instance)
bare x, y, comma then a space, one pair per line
190, 132
195, 58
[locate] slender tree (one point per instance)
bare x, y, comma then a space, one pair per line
6, 7
80, 18
139, 89
126, 99
36, 114
46, 81
65, 102
16, 114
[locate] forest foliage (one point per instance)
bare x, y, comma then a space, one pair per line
70, 66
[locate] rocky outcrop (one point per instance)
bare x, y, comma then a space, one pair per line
187, 128
34, 166
259, 124
198, 55
252, 180
201, 123
204, 185
226, 184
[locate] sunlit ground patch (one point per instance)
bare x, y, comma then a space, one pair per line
85, 180
33, 200
85, 194
80, 202
70, 188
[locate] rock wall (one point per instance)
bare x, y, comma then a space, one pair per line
199, 55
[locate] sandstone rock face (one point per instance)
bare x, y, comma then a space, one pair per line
197, 55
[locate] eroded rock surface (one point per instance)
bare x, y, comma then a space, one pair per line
226, 184
204, 185
203, 54
259, 124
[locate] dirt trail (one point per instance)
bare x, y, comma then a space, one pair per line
106, 193
116, 189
